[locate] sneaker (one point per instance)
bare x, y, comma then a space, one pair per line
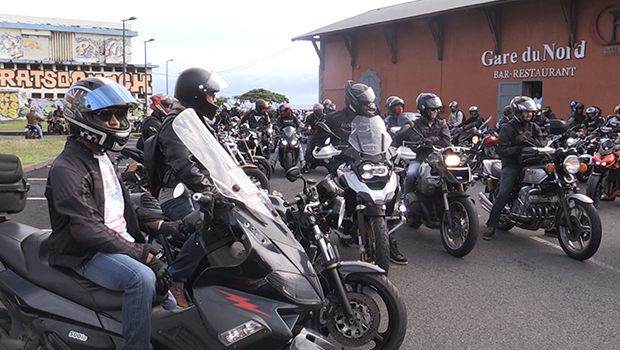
395, 256
179, 295
488, 234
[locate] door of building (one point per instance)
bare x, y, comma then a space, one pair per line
506, 91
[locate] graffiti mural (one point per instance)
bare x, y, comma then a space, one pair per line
9, 105
87, 49
11, 45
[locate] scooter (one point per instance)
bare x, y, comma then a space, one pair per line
255, 289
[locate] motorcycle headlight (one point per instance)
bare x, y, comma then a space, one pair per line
294, 143
284, 143
475, 139
572, 164
369, 171
294, 286
452, 160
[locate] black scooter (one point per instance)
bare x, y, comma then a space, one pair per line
255, 289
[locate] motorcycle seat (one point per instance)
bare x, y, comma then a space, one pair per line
493, 167
24, 250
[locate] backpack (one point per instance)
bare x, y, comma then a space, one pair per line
154, 164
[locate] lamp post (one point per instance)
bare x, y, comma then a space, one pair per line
124, 65
146, 81
170, 60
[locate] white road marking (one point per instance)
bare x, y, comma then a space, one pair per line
592, 260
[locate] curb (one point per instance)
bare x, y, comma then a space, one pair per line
38, 165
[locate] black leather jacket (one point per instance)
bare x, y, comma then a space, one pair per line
508, 148
150, 127
76, 203
180, 165
255, 119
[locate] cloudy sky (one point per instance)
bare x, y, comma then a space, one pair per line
248, 42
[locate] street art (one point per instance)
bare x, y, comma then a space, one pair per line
11, 45
30, 42
9, 105
87, 49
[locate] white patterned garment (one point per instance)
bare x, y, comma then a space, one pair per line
114, 203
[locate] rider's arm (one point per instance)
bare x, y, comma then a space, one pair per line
444, 136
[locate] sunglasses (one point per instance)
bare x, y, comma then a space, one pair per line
106, 114
433, 109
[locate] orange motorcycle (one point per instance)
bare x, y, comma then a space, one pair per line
604, 183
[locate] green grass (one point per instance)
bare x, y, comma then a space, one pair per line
13, 125
32, 151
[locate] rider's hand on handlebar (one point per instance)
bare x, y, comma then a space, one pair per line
172, 228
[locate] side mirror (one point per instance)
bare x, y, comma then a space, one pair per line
293, 174
406, 153
179, 190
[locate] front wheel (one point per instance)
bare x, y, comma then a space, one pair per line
379, 315
582, 238
287, 160
258, 178
377, 242
594, 188
459, 227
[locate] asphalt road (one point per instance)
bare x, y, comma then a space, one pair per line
518, 291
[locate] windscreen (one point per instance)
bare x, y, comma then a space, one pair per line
369, 136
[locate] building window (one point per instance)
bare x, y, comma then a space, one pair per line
36, 95
22, 66
35, 67
61, 68
108, 69
49, 96
9, 65
60, 96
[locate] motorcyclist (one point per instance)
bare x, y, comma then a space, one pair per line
395, 106
543, 122
546, 111
195, 89
316, 116
456, 115
34, 119
474, 120
96, 228
518, 133
507, 115
160, 105
287, 118
576, 116
258, 119
594, 119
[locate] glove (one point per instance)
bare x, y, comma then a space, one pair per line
164, 277
521, 139
172, 228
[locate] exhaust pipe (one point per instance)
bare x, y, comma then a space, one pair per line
485, 202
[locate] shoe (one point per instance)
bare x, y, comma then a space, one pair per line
395, 256
179, 295
488, 234
304, 167
273, 166
551, 233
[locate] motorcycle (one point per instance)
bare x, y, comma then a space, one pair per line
371, 188
137, 124
55, 125
252, 170
356, 290
31, 132
604, 182
290, 147
256, 288
440, 199
547, 196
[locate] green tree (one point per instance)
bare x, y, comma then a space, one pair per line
221, 100
264, 94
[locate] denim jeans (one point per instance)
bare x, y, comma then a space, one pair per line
123, 273
39, 130
506, 185
191, 253
412, 176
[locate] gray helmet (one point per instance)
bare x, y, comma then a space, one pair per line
521, 104
427, 101
393, 101
356, 95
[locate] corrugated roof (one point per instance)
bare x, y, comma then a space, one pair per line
395, 13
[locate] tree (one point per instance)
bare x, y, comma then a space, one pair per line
258, 94
221, 100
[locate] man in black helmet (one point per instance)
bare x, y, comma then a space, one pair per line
519, 132
195, 92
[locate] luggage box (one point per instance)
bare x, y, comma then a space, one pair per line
13, 186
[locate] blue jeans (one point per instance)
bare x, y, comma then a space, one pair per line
412, 176
191, 253
39, 130
506, 185
123, 273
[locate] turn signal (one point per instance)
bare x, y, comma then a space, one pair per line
583, 168
550, 168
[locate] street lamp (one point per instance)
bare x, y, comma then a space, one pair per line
170, 60
146, 80
124, 65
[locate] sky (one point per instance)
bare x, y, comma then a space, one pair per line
247, 42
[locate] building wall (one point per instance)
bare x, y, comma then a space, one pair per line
530, 30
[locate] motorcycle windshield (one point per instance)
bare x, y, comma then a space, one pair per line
369, 136
289, 132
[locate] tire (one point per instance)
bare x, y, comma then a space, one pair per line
378, 305
594, 189
287, 161
584, 237
377, 241
264, 166
258, 177
459, 228
50, 128
583, 177
31, 134
504, 226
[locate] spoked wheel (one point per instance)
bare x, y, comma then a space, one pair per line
258, 178
583, 238
379, 315
459, 227
377, 243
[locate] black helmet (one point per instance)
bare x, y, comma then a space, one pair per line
318, 109
394, 101
507, 110
261, 106
546, 111
521, 104
326, 102
95, 94
285, 110
576, 105
357, 95
591, 111
427, 101
193, 86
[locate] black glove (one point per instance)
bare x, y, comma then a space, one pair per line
521, 139
164, 277
172, 228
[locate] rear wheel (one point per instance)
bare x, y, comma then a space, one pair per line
258, 178
459, 227
581, 240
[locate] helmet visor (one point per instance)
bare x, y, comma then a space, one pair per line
109, 95
367, 96
214, 84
